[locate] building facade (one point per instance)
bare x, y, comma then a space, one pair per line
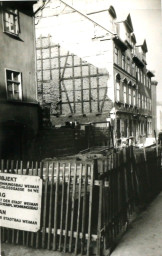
18, 93
90, 68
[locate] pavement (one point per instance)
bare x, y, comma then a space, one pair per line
143, 237
16, 250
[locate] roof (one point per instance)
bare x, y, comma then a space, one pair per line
128, 23
150, 73
24, 6
143, 46
133, 37
112, 11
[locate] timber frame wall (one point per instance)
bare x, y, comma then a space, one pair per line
70, 85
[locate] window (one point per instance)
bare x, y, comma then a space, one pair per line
10, 18
14, 87
130, 96
150, 104
142, 102
134, 97
116, 55
139, 100
133, 69
122, 127
128, 65
125, 94
125, 128
145, 102
118, 90
117, 87
123, 61
144, 79
149, 83
141, 76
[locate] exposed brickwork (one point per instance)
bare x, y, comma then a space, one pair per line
82, 88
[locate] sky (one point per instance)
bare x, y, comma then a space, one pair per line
147, 23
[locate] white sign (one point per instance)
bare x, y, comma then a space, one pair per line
20, 201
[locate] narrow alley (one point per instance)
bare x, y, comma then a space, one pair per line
143, 237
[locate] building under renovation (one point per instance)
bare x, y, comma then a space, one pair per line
90, 68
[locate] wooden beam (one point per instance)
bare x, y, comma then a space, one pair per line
67, 96
41, 53
81, 73
63, 72
60, 95
90, 95
73, 82
49, 43
104, 98
88, 76
98, 96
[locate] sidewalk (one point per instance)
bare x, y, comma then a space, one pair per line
144, 236
17, 250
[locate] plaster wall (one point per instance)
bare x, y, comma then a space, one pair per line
18, 54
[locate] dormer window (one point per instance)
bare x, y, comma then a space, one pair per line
10, 21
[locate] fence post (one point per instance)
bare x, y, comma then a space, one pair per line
67, 208
38, 233
90, 209
56, 205
72, 208
50, 208
99, 218
45, 207
78, 213
84, 209
62, 207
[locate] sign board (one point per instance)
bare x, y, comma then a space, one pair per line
20, 201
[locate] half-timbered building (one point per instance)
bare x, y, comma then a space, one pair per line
91, 69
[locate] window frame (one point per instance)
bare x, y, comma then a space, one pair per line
130, 95
19, 83
128, 69
16, 23
139, 100
123, 61
134, 97
125, 93
116, 55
